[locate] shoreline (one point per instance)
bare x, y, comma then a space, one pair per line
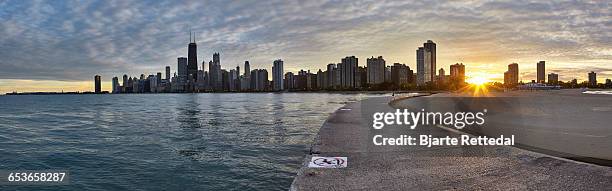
345, 134
267, 92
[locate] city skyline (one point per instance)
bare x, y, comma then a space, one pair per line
573, 40
346, 75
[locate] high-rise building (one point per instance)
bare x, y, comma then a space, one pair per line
388, 74
592, 79
349, 68
200, 84
182, 69
225, 81
457, 72
277, 75
311, 81
116, 86
399, 74
289, 81
511, 76
553, 79
376, 70
238, 70
159, 77
192, 60
429, 61
301, 80
320, 79
361, 78
331, 82
245, 84
232, 77
541, 75
259, 79
168, 73
152, 85
204, 64
441, 75
338, 77
125, 80
214, 72
97, 84
132, 85
420, 66
247, 69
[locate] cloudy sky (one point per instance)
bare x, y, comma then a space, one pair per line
61, 45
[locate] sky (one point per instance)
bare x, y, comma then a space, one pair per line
60, 45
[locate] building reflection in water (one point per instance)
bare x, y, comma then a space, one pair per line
188, 111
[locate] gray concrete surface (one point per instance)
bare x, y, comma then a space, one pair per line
564, 123
348, 133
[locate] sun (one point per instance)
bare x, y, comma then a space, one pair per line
477, 80
478, 86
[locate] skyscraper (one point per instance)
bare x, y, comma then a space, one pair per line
116, 85
592, 79
182, 69
259, 79
388, 74
399, 74
192, 60
238, 70
214, 72
429, 61
331, 82
376, 70
224, 80
457, 72
289, 81
247, 69
541, 76
420, 66
125, 80
441, 75
97, 84
277, 75
168, 73
349, 68
553, 79
511, 76
152, 85
362, 72
321, 79
231, 80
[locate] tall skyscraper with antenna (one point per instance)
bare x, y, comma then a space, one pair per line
192, 60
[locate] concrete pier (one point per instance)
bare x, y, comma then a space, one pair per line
348, 133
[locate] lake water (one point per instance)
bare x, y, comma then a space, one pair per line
241, 141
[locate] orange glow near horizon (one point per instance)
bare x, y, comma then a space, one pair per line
7, 86
478, 85
478, 80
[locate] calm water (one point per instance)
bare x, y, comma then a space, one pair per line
164, 141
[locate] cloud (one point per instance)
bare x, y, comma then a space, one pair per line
74, 40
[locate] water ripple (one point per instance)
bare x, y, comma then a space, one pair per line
164, 141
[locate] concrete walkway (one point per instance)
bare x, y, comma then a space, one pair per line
348, 133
